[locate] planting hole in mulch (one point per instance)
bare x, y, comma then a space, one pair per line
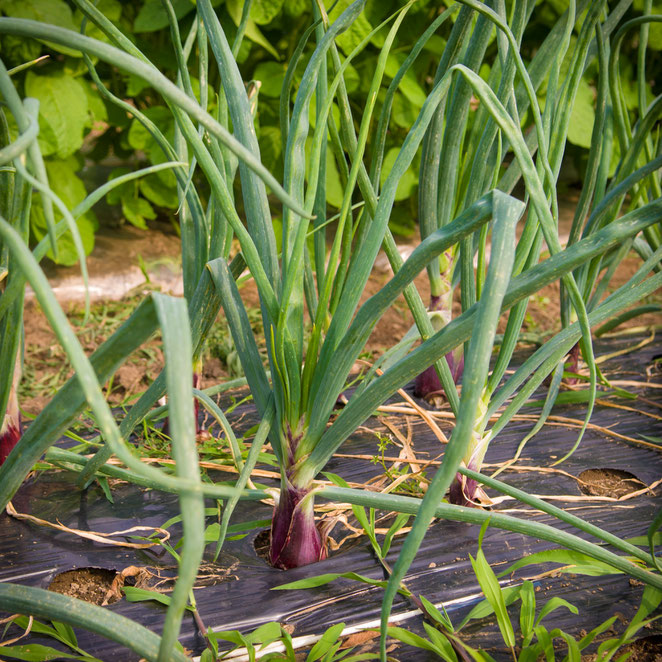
608, 482
648, 649
261, 544
88, 584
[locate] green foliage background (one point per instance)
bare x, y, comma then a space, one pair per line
73, 115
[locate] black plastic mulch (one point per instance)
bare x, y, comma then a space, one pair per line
442, 571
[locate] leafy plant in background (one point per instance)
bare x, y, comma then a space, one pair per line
297, 401
108, 134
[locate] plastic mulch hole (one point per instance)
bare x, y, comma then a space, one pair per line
89, 584
261, 544
614, 483
648, 649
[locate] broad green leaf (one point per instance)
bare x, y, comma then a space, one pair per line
111, 9
409, 86
96, 108
63, 106
115, 195
271, 148
404, 113
66, 184
295, 8
152, 15
137, 210
158, 192
135, 85
655, 36
271, 75
334, 188
234, 8
53, 12
408, 182
435, 44
16, 49
582, 116
354, 35
264, 11
140, 138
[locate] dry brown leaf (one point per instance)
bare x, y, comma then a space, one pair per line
104, 538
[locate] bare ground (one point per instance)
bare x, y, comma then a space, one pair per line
127, 263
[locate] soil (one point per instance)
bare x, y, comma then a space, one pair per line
88, 584
608, 482
261, 544
127, 263
648, 649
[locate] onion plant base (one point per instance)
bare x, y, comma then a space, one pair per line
467, 492
11, 429
295, 537
427, 384
10, 435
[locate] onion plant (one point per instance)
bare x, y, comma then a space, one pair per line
459, 165
303, 285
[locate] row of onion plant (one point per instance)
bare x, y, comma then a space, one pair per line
296, 396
